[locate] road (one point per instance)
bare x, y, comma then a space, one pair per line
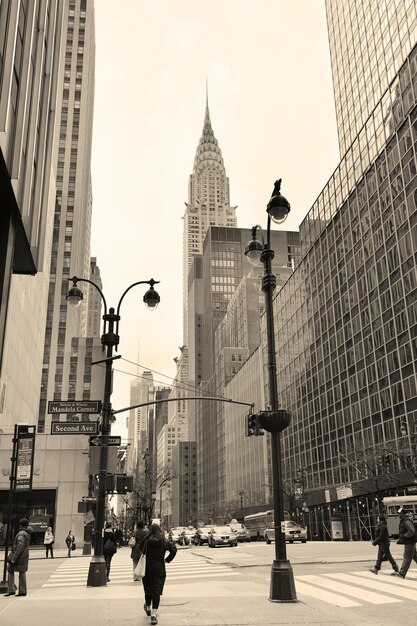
222, 586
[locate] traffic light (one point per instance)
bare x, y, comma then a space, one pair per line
380, 463
252, 425
387, 462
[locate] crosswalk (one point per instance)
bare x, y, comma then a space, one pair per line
358, 588
74, 572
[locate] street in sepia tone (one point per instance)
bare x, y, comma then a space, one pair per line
208, 287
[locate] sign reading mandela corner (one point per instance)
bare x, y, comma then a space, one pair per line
74, 428
74, 406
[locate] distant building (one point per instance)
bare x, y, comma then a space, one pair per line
184, 488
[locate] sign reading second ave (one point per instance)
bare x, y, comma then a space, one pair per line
74, 428
111, 441
74, 406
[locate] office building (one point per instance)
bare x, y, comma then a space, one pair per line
346, 320
28, 142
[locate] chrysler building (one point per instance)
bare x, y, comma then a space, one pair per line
208, 201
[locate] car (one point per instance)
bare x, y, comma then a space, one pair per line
293, 532
200, 536
241, 531
182, 535
221, 536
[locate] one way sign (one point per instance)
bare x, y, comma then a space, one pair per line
111, 441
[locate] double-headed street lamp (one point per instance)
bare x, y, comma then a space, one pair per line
274, 420
97, 576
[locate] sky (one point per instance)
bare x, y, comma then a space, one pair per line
267, 66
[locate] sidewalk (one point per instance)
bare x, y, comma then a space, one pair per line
197, 604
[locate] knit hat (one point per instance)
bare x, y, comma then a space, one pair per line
24, 522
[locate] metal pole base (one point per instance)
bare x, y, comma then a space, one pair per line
97, 573
282, 587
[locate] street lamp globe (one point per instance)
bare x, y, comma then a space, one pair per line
253, 251
74, 296
278, 208
151, 299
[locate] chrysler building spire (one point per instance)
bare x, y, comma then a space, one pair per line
208, 199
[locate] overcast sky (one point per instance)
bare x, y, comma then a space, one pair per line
272, 111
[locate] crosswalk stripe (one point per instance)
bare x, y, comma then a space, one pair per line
325, 596
377, 585
83, 581
75, 573
348, 590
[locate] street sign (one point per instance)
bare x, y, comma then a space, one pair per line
74, 428
111, 441
89, 499
74, 406
24, 458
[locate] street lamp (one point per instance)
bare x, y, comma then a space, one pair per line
97, 576
274, 420
405, 431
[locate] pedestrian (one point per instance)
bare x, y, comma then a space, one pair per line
140, 535
118, 533
407, 538
109, 547
18, 559
48, 542
155, 546
70, 541
382, 541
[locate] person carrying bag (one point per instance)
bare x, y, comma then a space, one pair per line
109, 547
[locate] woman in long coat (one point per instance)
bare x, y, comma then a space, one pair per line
155, 547
19, 559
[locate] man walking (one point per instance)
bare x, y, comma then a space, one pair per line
18, 559
407, 538
382, 541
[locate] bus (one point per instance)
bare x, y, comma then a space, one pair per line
392, 504
257, 522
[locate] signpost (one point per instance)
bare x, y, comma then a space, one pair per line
21, 472
24, 458
89, 499
111, 441
74, 428
74, 406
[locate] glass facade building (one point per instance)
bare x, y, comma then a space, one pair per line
347, 319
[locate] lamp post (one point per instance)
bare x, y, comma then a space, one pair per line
97, 576
274, 420
405, 431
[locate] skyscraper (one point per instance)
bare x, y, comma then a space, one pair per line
72, 219
30, 35
208, 201
347, 323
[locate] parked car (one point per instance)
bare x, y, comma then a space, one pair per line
241, 531
293, 532
221, 536
200, 536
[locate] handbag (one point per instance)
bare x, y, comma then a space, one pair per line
73, 546
139, 571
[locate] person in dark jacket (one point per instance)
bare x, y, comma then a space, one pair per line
140, 535
109, 547
70, 541
382, 541
155, 547
18, 559
407, 538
